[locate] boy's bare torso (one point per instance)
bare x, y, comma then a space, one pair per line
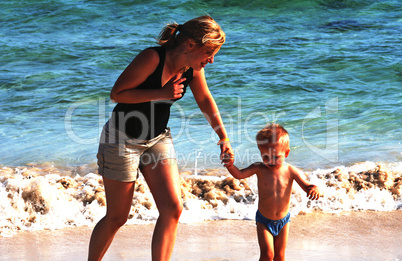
274, 189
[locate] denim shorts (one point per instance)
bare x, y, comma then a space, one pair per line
120, 157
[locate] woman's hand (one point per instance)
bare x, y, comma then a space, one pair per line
173, 89
227, 155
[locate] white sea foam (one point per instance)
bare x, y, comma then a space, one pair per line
47, 197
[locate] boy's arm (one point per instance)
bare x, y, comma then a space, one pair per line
312, 190
243, 173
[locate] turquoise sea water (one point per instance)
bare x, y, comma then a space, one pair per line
329, 71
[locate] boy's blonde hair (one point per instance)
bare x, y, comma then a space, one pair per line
203, 30
273, 134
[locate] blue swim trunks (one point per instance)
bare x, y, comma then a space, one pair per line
273, 226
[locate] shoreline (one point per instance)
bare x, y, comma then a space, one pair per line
317, 236
46, 197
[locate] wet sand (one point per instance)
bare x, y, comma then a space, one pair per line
347, 236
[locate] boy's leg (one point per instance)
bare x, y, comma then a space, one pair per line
280, 243
266, 242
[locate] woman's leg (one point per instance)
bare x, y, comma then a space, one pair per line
119, 196
164, 182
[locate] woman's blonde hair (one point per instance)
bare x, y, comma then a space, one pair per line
203, 30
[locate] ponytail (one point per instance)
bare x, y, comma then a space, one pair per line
167, 36
203, 30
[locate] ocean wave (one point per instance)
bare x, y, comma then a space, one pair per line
38, 197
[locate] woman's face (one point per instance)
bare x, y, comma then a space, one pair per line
201, 56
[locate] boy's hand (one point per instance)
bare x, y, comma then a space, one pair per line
227, 160
227, 155
313, 192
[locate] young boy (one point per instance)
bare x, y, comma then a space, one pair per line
275, 179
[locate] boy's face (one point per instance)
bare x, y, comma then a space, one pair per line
273, 155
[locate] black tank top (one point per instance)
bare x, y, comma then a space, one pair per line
148, 119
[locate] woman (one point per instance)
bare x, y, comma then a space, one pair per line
137, 136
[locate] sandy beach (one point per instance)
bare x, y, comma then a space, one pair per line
346, 236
